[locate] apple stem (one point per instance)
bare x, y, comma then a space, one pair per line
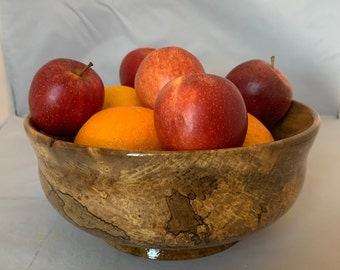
272, 61
86, 68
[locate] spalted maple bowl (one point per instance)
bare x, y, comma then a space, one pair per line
177, 205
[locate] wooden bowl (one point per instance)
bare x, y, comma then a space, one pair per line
181, 204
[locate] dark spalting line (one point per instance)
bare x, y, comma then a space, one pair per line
259, 215
52, 141
183, 217
119, 233
207, 179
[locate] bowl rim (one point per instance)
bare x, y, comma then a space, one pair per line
311, 130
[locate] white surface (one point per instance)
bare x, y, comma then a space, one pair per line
6, 107
302, 34
34, 237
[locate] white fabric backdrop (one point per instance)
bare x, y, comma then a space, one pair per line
6, 105
302, 34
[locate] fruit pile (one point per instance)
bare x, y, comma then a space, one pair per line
165, 101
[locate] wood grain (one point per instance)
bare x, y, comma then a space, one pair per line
184, 204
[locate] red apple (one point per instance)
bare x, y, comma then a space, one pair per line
266, 91
161, 66
200, 111
130, 64
63, 94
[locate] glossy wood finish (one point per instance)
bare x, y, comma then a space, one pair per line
179, 205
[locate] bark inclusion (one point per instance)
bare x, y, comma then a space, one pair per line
70, 208
183, 217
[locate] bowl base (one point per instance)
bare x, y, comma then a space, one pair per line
170, 254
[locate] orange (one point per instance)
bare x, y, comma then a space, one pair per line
257, 133
121, 128
120, 95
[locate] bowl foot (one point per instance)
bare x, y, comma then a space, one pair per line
171, 254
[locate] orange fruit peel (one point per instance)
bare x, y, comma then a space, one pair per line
120, 95
257, 132
121, 128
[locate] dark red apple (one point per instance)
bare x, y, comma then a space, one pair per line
266, 91
63, 94
161, 66
198, 112
130, 63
